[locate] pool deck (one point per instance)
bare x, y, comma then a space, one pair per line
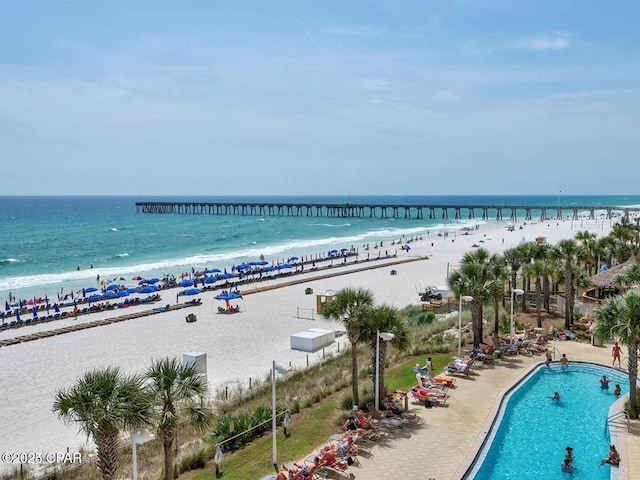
439, 446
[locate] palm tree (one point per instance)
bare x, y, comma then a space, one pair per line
567, 251
384, 319
474, 278
350, 306
174, 389
104, 403
620, 316
500, 274
536, 270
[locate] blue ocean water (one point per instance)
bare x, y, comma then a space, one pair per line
46, 239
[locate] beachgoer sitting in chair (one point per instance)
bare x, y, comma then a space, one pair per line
328, 459
363, 422
351, 425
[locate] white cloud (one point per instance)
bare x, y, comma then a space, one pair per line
375, 84
543, 43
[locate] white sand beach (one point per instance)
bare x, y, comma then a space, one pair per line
238, 346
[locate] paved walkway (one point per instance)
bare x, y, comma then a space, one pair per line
438, 446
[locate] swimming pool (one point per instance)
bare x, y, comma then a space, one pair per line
532, 431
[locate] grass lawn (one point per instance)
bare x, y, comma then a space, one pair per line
308, 432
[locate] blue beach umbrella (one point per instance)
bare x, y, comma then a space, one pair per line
153, 280
112, 286
292, 259
186, 283
192, 291
243, 266
109, 294
147, 289
263, 262
95, 298
226, 275
132, 290
212, 270
228, 296
122, 293
209, 280
90, 289
119, 279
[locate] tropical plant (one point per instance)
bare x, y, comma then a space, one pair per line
620, 317
567, 252
177, 391
384, 319
500, 274
104, 403
350, 306
475, 279
536, 271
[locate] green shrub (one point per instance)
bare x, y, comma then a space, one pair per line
193, 460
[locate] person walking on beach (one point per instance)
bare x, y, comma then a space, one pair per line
615, 353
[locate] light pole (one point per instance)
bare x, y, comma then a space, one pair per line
138, 438
283, 369
514, 292
386, 336
466, 298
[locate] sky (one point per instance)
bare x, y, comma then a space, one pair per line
342, 97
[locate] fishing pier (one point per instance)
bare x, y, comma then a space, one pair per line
357, 210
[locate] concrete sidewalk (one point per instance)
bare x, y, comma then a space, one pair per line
438, 447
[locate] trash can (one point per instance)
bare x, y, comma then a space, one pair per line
595, 341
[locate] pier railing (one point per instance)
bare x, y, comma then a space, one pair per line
351, 210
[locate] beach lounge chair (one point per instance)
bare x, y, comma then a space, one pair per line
427, 398
380, 419
458, 367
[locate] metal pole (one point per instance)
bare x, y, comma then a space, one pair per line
134, 458
460, 327
273, 417
512, 326
377, 401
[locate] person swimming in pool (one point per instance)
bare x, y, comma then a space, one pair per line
604, 382
567, 464
555, 396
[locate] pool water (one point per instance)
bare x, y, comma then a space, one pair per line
534, 430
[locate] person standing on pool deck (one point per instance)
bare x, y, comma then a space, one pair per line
615, 353
564, 361
547, 362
